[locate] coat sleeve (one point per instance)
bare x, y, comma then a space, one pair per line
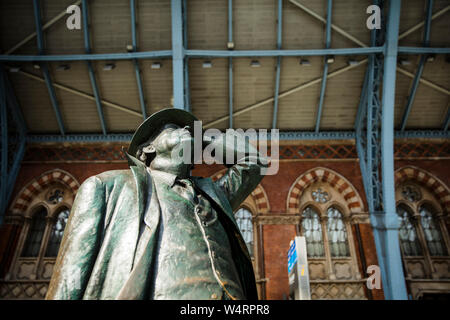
80, 243
246, 172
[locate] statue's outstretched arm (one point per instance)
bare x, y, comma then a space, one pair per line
245, 173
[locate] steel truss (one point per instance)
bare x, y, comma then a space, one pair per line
374, 132
374, 140
12, 136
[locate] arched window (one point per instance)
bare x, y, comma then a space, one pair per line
431, 230
42, 233
57, 233
424, 239
325, 222
36, 233
337, 234
421, 232
408, 236
244, 221
312, 231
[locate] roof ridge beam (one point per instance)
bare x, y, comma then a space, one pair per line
156, 54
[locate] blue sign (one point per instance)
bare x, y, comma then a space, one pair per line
292, 256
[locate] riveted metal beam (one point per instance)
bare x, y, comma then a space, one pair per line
423, 60
386, 224
87, 47
135, 61
283, 135
12, 136
4, 146
44, 66
278, 70
187, 88
325, 67
177, 54
447, 120
230, 65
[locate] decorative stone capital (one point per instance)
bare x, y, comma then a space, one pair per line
360, 218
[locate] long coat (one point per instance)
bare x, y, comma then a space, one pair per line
99, 248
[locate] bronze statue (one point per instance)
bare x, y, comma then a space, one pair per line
154, 231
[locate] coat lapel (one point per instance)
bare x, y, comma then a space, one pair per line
137, 284
140, 177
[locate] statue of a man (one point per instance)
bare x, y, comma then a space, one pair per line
154, 231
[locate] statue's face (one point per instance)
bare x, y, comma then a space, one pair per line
169, 147
172, 138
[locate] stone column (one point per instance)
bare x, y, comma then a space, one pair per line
329, 263
351, 246
48, 229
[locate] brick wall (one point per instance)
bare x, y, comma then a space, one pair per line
276, 237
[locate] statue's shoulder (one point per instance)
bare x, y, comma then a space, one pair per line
113, 176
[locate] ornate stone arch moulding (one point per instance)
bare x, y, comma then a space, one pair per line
22, 201
437, 187
353, 201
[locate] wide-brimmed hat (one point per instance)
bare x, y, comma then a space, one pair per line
153, 125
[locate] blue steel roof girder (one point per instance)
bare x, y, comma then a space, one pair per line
44, 66
137, 69
325, 67
92, 78
421, 66
278, 68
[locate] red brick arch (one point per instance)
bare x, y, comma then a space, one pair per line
35, 186
342, 185
426, 179
259, 194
